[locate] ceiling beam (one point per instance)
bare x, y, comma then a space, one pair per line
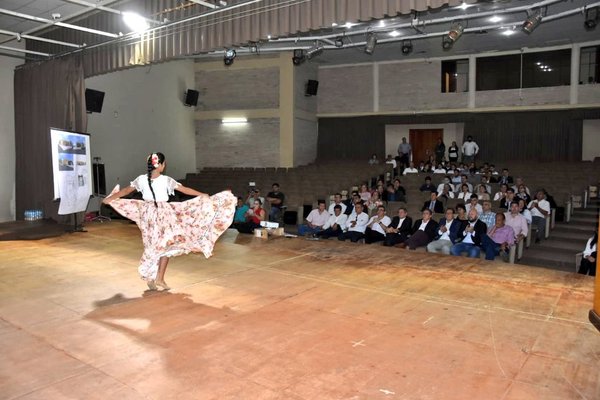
99, 6
25, 51
20, 36
57, 23
205, 4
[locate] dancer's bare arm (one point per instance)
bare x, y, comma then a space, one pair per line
123, 192
189, 191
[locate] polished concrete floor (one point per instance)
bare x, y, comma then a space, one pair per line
287, 319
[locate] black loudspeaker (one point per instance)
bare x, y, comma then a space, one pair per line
290, 217
311, 88
99, 179
93, 100
191, 98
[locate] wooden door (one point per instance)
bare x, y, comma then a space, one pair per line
423, 143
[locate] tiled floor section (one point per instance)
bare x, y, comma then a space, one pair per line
287, 319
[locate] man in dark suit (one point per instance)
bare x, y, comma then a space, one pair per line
434, 204
505, 178
470, 237
400, 228
447, 233
424, 230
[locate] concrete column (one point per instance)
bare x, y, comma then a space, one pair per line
575, 61
472, 80
375, 87
286, 110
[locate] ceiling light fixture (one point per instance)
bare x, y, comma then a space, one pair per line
235, 120
407, 47
229, 56
591, 18
314, 51
495, 18
394, 33
509, 31
339, 41
532, 22
453, 35
299, 57
371, 42
135, 22
464, 6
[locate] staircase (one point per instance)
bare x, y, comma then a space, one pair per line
565, 240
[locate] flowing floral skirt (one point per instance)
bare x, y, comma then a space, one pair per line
172, 229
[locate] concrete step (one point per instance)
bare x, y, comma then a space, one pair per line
557, 259
560, 233
567, 244
583, 219
590, 211
573, 227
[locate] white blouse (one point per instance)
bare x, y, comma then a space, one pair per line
163, 186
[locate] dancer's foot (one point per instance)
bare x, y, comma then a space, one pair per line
163, 285
151, 285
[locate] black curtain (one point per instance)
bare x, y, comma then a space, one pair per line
47, 95
502, 136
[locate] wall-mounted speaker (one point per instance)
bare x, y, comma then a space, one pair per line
93, 100
191, 98
311, 88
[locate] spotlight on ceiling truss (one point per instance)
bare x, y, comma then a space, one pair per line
339, 41
299, 57
314, 51
591, 18
371, 42
229, 56
532, 22
456, 31
407, 47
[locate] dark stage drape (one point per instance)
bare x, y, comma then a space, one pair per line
47, 95
502, 136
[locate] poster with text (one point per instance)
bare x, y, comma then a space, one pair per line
71, 170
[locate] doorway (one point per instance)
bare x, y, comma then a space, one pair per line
423, 143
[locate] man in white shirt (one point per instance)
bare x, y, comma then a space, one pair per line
411, 169
315, 220
517, 221
399, 229
469, 150
337, 199
446, 235
540, 210
474, 202
519, 182
355, 225
376, 227
335, 224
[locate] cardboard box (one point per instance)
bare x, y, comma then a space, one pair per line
261, 233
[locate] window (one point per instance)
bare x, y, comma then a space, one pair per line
589, 65
455, 76
528, 70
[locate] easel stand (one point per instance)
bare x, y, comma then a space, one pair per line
99, 217
76, 226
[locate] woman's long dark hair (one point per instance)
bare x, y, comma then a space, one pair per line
151, 167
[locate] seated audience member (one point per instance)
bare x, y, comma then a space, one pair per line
373, 202
461, 212
254, 216
519, 182
448, 228
509, 198
390, 193
426, 168
240, 212
381, 191
364, 192
456, 179
276, 199
482, 194
434, 205
350, 202
427, 186
464, 193
498, 240
355, 225
590, 253
390, 160
423, 232
524, 211
376, 227
353, 212
505, 178
487, 216
445, 181
253, 195
517, 221
474, 203
464, 181
335, 224
411, 169
399, 229
522, 194
470, 237
337, 200
447, 192
540, 210
499, 196
373, 160
439, 169
315, 220
399, 190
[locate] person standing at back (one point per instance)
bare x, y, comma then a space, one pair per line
469, 150
453, 152
404, 151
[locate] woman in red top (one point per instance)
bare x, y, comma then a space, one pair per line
254, 216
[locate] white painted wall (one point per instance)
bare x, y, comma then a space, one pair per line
395, 133
143, 112
591, 140
7, 138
